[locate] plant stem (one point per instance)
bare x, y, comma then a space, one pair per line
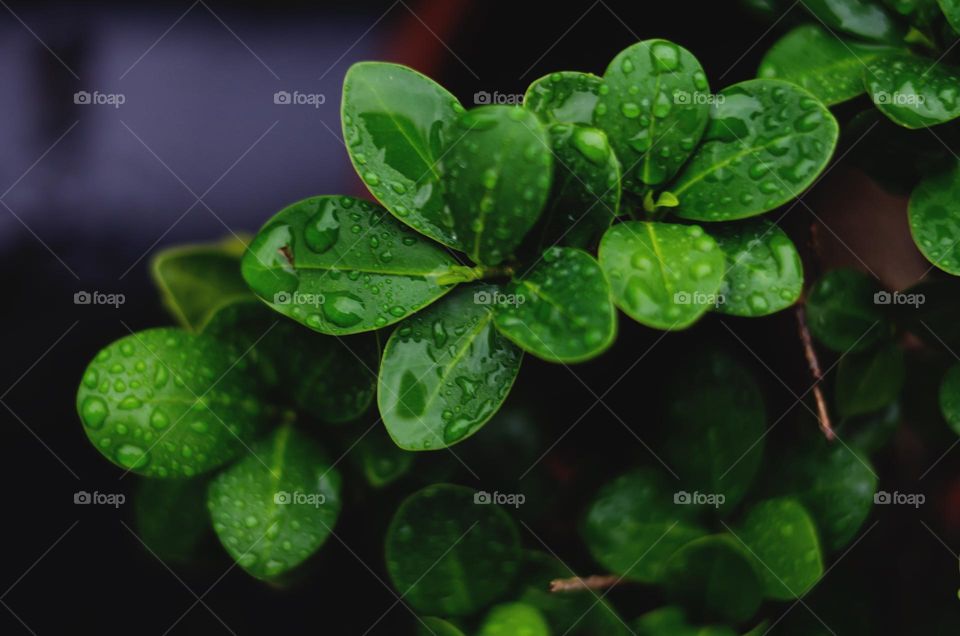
814, 363
577, 583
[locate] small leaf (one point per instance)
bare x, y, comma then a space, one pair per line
449, 552
167, 403
671, 621
566, 97
935, 219
913, 91
433, 626
662, 275
782, 539
843, 314
653, 106
950, 398
870, 380
822, 63
196, 279
446, 371
951, 10
862, 18
560, 310
276, 506
512, 619
634, 525
382, 461
172, 517
764, 271
396, 123
497, 174
750, 163
340, 265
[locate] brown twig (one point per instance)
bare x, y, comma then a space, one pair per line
576, 583
814, 363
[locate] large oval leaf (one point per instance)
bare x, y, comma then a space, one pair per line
828, 67
561, 309
396, 124
446, 371
513, 619
450, 552
497, 174
843, 311
913, 91
934, 213
767, 141
863, 18
635, 524
340, 265
277, 506
662, 275
167, 403
671, 621
870, 380
566, 97
653, 105
764, 272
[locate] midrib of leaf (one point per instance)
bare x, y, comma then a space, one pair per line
650, 129
507, 144
458, 356
418, 150
538, 291
277, 466
661, 262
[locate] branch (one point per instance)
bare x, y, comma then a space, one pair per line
814, 363
576, 583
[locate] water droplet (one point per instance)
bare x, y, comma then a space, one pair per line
132, 457
93, 412
592, 144
343, 309
323, 229
159, 419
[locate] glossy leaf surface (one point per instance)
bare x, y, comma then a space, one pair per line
512, 619
934, 215
862, 18
843, 313
566, 97
913, 91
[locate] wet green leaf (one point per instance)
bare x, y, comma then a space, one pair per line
671, 621
634, 525
951, 10
662, 275
913, 91
560, 310
653, 105
448, 554
825, 65
172, 517
863, 18
340, 265
767, 141
566, 97
764, 273
843, 313
276, 506
935, 219
446, 371
782, 539
497, 174
514, 619
167, 403
396, 123
950, 398
382, 461
870, 380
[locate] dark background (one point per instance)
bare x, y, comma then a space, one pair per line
90, 192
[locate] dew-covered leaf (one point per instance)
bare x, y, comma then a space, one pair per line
567, 97
396, 124
913, 91
950, 398
172, 517
560, 310
863, 18
340, 265
767, 141
451, 553
168, 403
934, 214
843, 313
446, 371
662, 275
870, 380
497, 174
513, 619
653, 105
276, 506
671, 621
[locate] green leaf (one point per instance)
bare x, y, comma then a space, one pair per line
633, 525
950, 398
172, 517
822, 63
513, 619
951, 10
566, 97
913, 91
671, 621
446, 371
382, 461
716, 419
448, 554
764, 271
843, 311
167, 403
340, 265
872, 431
714, 576
870, 380
433, 626
782, 539
560, 310
196, 279
862, 18
662, 275
497, 174
768, 140
935, 219
396, 123
653, 106
275, 507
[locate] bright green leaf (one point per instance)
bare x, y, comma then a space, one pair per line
934, 214
844, 311
862, 18
566, 97
913, 91
870, 380
671, 621
514, 619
